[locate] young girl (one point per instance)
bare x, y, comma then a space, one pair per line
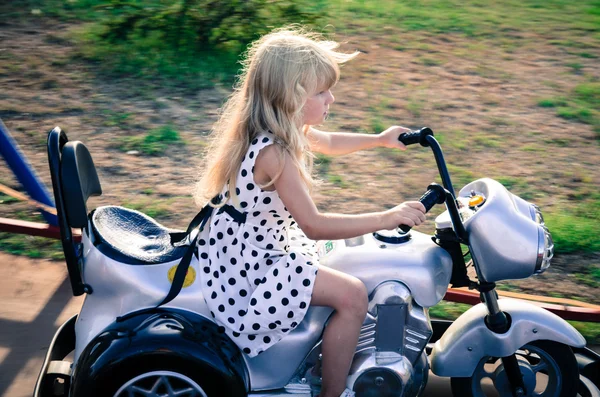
260, 268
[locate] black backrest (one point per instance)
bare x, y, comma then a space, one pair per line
79, 181
74, 180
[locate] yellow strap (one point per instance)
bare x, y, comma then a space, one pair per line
20, 196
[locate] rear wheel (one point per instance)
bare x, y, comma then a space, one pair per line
549, 369
161, 384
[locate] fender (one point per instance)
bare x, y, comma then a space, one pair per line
162, 337
468, 339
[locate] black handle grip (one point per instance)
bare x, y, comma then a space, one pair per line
435, 194
410, 138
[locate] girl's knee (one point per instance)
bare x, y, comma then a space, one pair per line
354, 299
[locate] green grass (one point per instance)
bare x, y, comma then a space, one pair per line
154, 143
151, 207
31, 246
582, 105
576, 230
590, 277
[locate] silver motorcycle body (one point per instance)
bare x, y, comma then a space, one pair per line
120, 326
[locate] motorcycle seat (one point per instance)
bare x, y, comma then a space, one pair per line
131, 237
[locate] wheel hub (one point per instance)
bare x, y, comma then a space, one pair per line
503, 385
161, 384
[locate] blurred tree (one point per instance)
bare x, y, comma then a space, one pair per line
204, 24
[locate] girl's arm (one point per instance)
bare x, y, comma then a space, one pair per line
337, 143
327, 226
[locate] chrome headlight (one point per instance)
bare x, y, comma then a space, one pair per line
545, 243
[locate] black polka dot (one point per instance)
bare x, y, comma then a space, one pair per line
256, 326
293, 255
256, 266
285, 301
201, 242
206, 269
230, 231
231, 320
272, 309
236, 334
263, 222
233, 261
290, 314
302, 305
257, 281
272, 326
243, 293
254, 253
234, 242
213, 295
237, 191
275, 272
266, 339
209, 283
294, 292
243, 273
251, 337
243, 204
267, 200
247, 266
225, 249
250, 186
212, 241
265, 140
241, 313
244, 173
279, 286
216, 274
255, 141
251, 155
269, 246
306, 282
223, 269
231, 281
294, 324
246, 350
253, 302
298, 269
260, 237
221, 308
267, 295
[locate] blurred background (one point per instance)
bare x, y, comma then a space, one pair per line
511, 89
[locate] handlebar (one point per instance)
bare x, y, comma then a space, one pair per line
410, 138
435, 194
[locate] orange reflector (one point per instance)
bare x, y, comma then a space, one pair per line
476, 200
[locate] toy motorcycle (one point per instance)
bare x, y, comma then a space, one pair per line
128, 340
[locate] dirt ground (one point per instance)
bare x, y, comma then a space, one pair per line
476, 90
481, 101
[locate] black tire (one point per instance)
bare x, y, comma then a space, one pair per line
178, 373
562, 373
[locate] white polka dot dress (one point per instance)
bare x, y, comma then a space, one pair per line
258, 276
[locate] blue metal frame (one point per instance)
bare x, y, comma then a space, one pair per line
17, 162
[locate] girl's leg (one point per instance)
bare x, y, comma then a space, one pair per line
348, 296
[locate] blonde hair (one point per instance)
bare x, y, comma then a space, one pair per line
280, 71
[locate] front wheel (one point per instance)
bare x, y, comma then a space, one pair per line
549, 369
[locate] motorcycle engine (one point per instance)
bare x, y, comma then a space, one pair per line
390, 359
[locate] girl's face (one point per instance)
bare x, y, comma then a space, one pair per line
316, 107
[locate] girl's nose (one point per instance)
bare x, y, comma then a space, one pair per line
331, 98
